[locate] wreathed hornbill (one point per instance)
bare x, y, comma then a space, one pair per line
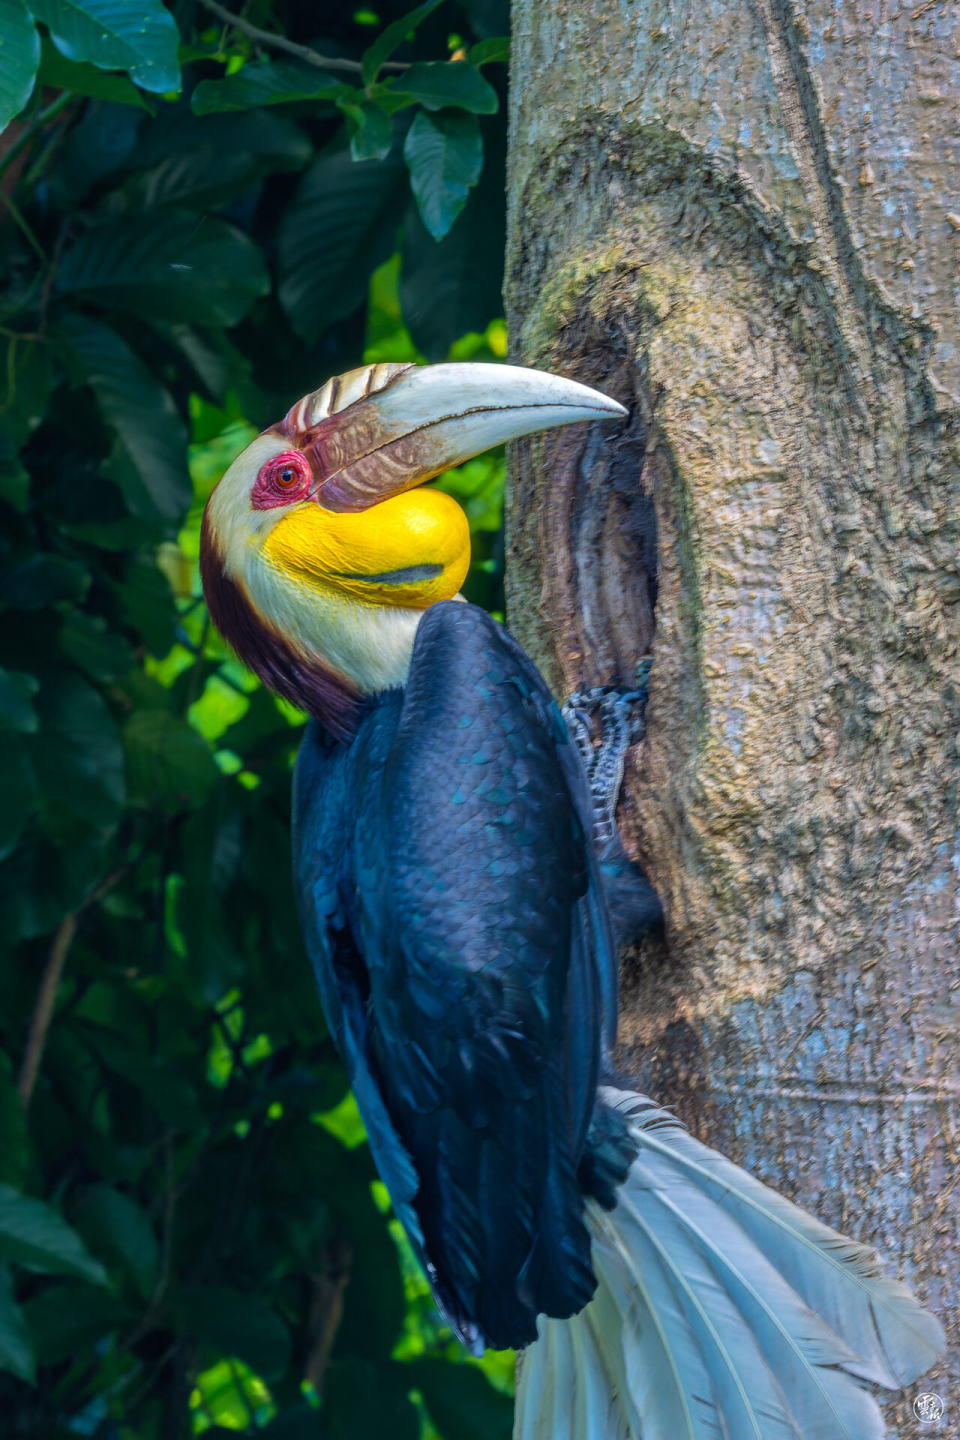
453, 906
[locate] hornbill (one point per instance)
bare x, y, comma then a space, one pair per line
453, 906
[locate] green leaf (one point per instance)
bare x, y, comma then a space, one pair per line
339, 227
98, 145
14, 1140
31, 374
394, 35
296, 1422
40, 881
453, 286
116, 1229
444, 154
438, 83
170, 1094
179, 267
19, 58
206, 161
14, 478
167, 761
146, 603
268, 82
34, 1234
68, 1320
232, 1323
44, 580
83, 79
77, 756
85, 641
373, 134
497, 47
152, 468
363, 1401
19, 790
461, 1401
139, 36
16, 691
16, 1344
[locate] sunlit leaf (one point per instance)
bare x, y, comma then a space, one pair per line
19, 58
84, 79
139, 36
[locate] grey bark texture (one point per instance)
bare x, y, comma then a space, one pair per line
737, 218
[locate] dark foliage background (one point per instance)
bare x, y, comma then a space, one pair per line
198, 224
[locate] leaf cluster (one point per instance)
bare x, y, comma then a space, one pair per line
200, 220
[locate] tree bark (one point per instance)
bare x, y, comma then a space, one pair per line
735, 217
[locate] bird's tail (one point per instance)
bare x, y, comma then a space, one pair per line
721, 1310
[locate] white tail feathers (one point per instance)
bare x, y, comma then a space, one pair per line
722, 1310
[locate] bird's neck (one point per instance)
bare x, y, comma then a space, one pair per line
320, 650
369, 645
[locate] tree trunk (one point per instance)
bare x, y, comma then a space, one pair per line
734, 217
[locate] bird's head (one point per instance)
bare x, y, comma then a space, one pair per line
319, 554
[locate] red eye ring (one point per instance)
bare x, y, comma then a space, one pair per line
284, 478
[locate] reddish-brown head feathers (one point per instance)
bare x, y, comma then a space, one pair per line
305, 682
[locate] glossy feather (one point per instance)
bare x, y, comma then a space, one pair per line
449, 899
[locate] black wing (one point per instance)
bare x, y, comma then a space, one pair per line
474, 971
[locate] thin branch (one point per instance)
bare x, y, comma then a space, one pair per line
50, 984
43, 1010
42, 117
22, 225
326, 1310
280, 42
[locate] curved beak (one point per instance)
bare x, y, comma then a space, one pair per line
425, 419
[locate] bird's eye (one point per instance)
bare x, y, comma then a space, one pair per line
284, 478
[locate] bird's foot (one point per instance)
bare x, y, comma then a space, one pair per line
603, 724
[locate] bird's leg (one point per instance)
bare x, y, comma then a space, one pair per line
603, 724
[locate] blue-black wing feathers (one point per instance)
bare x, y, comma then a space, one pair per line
452, 911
